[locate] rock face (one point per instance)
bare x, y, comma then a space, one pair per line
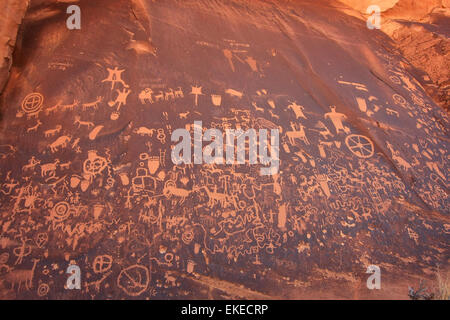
427, 48
88, 176
12, 12
420, 30
406, 9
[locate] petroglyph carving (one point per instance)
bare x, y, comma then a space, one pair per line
297, 134
171, 190
360, 145
34, 128
92, 105
179, 93
146, 95
134, 280
159, 97
61, 142
22, 277
32, 163
144, 131
121, 98
234, 93
169, 95
53, 132
49, 168
115, 76
52, 109
196, 91
337, 118
70, 106
94, 164
297, 109
80, 123
32, 103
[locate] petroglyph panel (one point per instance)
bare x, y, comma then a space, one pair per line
87, 175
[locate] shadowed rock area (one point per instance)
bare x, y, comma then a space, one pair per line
88, 179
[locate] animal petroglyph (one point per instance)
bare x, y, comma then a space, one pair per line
146, 95
49, 168
92, 105
70, 107
21, 277
59, 143
53, 132
35, 127
80, 123
300, 134
144, 131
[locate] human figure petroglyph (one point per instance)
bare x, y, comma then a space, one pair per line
337, 118
80, 123
34, 128
61, 142
92, 105
32, 163
121, 98
146, 95
115, 76
297, 109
